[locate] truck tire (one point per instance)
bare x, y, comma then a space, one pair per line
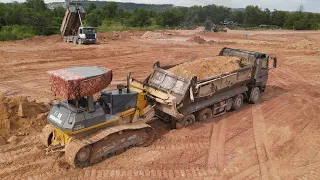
229, 104
237, 102
254, 95
204, 114
186, 121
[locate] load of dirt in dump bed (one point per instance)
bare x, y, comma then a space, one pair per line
154, 35
17, 113
303, 44
206, 67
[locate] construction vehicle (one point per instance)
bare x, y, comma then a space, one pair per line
72, 28
183, 101
89, 130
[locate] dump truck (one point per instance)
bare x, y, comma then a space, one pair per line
72, 28
182, 101
89, 130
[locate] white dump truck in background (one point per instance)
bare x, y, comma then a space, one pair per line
72, 28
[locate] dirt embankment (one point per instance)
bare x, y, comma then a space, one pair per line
20, 115
154, 35
200, 40
207, 67
108, 36
303, 44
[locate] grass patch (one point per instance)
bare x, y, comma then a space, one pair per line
120, 27
16, 32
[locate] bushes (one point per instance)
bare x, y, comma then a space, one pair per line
20, 20
16, 32
302, 21
208, 25
139, 18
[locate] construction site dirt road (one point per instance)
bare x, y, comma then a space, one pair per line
279, 138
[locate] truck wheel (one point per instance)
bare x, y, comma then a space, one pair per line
79, 41
186, 121
173, 123
255, 95
229, 104
237, 102
204, 114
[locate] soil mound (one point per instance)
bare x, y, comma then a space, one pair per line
107, 36
197, 39
303, 44
154, 35
42, 39
206, 67
17, 112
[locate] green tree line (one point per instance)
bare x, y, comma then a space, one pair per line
21, 20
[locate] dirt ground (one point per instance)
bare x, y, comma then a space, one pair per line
276, 139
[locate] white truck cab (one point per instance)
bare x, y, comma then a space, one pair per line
87, 35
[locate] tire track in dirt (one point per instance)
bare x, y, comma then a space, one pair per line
266, 169
23, 157
247, 172
20, 171
174, 147
182, 173
13, 155
42, 173
217, 142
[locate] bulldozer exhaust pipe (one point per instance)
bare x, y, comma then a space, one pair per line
128, 82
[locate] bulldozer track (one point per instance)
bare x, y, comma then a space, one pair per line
75, 145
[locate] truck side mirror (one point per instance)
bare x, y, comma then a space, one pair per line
275, 59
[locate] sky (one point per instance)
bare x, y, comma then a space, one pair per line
288, 5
